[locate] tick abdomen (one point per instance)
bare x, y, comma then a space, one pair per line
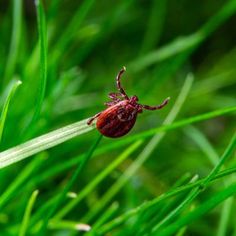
117, 120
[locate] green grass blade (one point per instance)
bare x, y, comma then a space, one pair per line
154, 25
206, 147
103, 218
43, 142
195, 192
229, 150
128, 214
11, 93
15, 40
68, 186
72, 28
225, 217
101, 176
188, 42
145, 153
27, 214
175, 211
199, 211
42, 30
203, 143
18, 181
69, 225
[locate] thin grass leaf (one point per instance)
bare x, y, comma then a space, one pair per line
15, 40
225, 217
11, 93
195, 192
175, 211
203, 143
28, 210
68, 186
43, 142
69, 225
145, 153
150, 217
101, 176
128, 214
199, 211
187, 42
206, 147
104, 217
19, 180
42, 30
154, 25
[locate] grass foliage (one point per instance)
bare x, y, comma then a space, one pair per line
173, 174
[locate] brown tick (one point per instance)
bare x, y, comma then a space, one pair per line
120, 116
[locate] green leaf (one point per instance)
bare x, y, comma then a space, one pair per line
27, 214
12, 90
42, 30
43, 142
204, 208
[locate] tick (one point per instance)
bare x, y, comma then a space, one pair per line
121, 113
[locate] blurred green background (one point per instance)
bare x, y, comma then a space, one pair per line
161, 43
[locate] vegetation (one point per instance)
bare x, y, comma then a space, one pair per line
173, 174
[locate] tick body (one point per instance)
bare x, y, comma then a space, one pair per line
120, 116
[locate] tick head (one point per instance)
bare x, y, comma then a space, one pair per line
133, 100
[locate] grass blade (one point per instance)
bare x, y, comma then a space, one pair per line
42, 30
11, 93
68, 186
84, 192
43, 142
127, 215
187, 42
15, 40
200, 211
195, 192
18, 181
27, 214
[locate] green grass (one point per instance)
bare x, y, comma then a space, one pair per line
173, 174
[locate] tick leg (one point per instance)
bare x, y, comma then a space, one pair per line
108, 104
115, 96
158, 106
121, 90
89, 122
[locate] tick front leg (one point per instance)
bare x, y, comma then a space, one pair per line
165, 102
121, 90
115, 96
108, 104
89, 122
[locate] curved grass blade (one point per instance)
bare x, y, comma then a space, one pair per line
199, 211
43, 142
195, 192
19, 180
68, 186
42, 30
187, 42
127, 215
12, 91
154, 26
84, 192
27, 214
15, 39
